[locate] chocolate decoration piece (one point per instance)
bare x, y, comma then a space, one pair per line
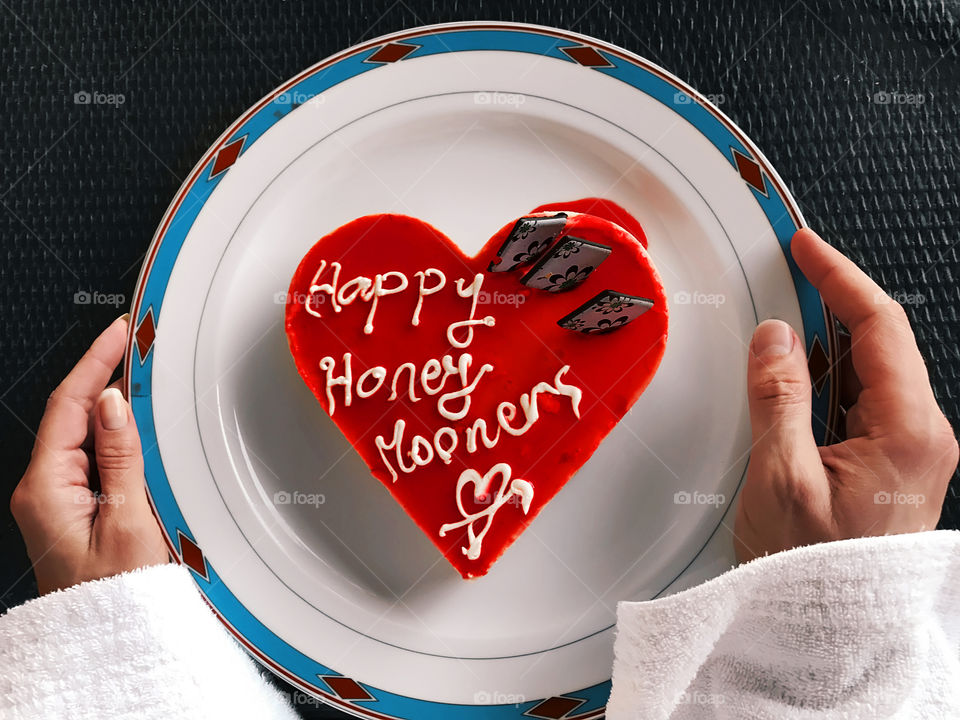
569, 262
605, 312
527, 241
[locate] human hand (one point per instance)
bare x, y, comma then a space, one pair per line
891, 472
87, 438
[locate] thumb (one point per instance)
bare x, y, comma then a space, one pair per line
786, 481
778, 384
785, 463
118, 454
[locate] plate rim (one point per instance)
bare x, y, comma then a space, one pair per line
141, 318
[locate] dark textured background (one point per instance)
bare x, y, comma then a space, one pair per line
82, 187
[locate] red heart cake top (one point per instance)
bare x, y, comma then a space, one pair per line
475, 387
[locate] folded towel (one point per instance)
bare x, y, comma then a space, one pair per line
139, 645
866, 628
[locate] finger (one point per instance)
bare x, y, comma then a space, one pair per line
94, 370
118, 454
92, 417
778, 384
64, 423
786, 486
883, 348
779, 394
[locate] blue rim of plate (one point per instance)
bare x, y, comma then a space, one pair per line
349, 695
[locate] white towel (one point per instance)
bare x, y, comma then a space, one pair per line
140, 645
856, 629
859, 629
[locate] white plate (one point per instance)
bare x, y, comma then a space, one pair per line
465, 126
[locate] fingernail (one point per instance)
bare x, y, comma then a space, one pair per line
772, 338
113, 409
125, 317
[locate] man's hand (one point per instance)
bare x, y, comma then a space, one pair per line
891, 473
87, 438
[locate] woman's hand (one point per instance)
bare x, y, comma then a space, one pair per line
87, 439
890, 475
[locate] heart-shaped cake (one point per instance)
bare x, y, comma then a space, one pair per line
475, 387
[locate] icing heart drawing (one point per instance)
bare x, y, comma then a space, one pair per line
476, 387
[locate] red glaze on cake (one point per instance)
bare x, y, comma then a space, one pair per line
599, 207
503, 487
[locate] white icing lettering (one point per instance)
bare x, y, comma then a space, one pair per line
378, 373
571, 391
330, 288
481, 487
464, 392
378, 291
445, 453
424, 290
446, 439
473, 291
528, 403
413, 374
394, 445
431, 371
371, 291
327, 364
352, 289
419, 458
480, 427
